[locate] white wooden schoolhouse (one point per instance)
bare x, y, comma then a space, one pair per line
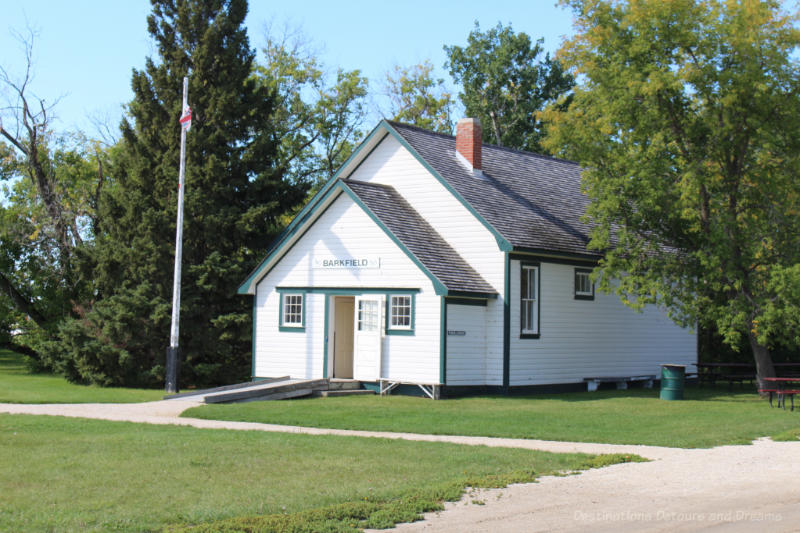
439, 260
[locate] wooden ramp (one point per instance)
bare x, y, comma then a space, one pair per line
281, 388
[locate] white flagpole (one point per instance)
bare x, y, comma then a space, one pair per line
172, 351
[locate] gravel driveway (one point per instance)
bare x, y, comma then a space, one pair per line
728, 488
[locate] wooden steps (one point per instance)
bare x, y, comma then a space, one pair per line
344, 392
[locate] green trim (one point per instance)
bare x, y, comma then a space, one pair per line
468, 294
277, 248
438, 286
575, 290
325, 339
538, 300
335, 183
303, 304
347, 291
545, 256
377, 144
253, 341
308, 210
443, 342
466, 301
406, 332
502, 242
506, 320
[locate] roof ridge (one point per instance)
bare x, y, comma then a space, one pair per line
483, 144
411, 215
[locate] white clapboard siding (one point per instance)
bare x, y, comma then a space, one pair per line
392, 164
466, 354
587, 338
344, 230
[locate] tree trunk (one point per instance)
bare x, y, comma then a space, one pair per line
763, 359
22, 303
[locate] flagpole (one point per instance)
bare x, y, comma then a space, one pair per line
171, 385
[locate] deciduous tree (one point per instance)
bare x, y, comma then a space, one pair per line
416, 97
504, 82
316, 121
687, 122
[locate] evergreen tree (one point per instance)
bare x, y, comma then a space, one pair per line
234, 197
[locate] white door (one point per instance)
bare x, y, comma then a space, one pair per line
367, 338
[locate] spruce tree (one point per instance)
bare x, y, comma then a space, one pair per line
234, 197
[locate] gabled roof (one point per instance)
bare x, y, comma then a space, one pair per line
419, 238
448, 272
529, 202
534, 202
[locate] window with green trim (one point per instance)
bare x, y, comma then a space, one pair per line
584, 288
292, 310
399, 314
529, 300
400, 311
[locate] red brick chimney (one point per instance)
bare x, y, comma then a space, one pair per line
469, 140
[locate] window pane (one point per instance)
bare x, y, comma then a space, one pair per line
583, 284
367, 315
400, 311
524, 286
293, 309
529, 305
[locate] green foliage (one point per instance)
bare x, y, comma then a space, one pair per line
687, 122
234, 198
39, 273
316, 122
635, 416
64, 474
505, 82
417, 98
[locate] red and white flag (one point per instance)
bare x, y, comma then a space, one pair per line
186, 118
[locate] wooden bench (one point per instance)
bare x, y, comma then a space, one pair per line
621, 381
740, 378
770, 392
782, 394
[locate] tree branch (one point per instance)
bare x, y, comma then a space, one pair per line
22, 303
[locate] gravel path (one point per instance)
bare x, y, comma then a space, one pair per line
728, 488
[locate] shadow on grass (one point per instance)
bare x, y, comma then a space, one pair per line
716, 393
12, 362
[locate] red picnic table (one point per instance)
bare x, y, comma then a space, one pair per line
782, 387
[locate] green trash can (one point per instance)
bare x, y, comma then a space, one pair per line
672, 377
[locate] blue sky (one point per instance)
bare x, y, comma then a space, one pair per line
85, 49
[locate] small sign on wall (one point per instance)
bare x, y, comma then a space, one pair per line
347, 263
457, 333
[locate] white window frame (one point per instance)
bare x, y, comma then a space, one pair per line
300, 313
583, 273
529, 303
391, 314
368, 316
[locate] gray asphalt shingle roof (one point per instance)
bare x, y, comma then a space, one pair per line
533, 201
419, 237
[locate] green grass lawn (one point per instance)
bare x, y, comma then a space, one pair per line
707, 417
60, 474
17, 385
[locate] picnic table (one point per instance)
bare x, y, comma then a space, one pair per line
730, 372
781, 387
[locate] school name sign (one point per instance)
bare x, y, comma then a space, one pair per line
347, 263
